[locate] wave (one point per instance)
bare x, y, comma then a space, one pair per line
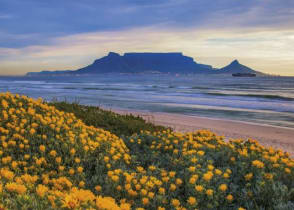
284, 98
90, 88
201, 87
28, 82
70, 88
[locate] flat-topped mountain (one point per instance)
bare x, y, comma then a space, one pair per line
145, 62
150, 63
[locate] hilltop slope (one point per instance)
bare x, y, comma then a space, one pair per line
236, 67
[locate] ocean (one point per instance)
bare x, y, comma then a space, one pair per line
263, 100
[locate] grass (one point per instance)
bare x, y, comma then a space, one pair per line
120, 125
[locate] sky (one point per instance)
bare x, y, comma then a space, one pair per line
40, 35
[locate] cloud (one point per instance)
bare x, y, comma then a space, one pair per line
57, 18
70, 33
261, 50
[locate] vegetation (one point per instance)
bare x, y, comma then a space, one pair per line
120, 125
51, 160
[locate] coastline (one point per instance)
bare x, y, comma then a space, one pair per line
274, 136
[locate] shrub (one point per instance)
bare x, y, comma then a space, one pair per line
120, 125
51, 160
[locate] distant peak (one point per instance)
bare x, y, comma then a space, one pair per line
113, 54
235, 62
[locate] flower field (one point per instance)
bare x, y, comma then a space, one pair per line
50, 159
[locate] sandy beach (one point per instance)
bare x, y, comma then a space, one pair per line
275, 136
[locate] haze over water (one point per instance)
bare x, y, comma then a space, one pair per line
265, 100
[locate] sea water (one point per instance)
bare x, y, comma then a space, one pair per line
265, 100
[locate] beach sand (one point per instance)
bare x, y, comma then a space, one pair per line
275, 136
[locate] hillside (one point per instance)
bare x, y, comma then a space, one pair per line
51, 160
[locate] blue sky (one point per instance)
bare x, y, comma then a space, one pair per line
68, 34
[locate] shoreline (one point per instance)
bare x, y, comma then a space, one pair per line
268, 135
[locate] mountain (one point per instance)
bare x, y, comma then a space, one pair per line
236, 67
145, 62
149, 63
49, 73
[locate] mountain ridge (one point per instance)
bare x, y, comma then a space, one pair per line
143, 62
235, 67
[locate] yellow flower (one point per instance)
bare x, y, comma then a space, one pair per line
41, 190
288, 170
14, 187
80, 169
151, 195
209, 192
86, 148
106, 203
191, 200
81, 184
7, 174
53, 153
179, 181
192, 180
115, 178
32, 131
218, 172
77, 160
119, 188
125, 206
230, 197
58, 159
172, 173
199, 188
248, 176
14, 164
175, 202
172, 187
152, 168
72, 151
208, 176
258, 164
4, 104
268, 176
143, 192
145, 201
98, 188
161, 190
223, 187
42, 148
192, 168
106, 159
226, 175
71, 171
210, 167
70, 202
